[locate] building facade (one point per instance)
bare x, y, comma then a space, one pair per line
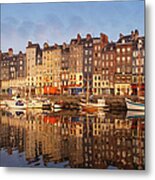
138, 68
33, 58
65, 69
76, 65
13, 69
123, 71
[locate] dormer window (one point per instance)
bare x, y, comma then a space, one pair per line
123, 41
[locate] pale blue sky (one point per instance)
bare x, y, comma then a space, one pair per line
59, 22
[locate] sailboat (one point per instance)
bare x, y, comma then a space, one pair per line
93, 106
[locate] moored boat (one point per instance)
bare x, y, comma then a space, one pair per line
16, 104
137, 106
94, 106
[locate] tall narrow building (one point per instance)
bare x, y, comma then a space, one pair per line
33, 58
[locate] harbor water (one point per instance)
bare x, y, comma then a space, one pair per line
72, 139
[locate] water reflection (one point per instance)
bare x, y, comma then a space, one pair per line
72, 139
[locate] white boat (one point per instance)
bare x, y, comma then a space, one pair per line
16, 104
92, 107
137, 106
57, 106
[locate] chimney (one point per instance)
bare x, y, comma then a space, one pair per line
88, 37
10, 52
103, 38
136, 34
64, 45
132, 35
78, 38
45, 45
56, 45
29, 43
120, 35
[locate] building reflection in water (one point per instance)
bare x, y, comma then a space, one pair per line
71, 139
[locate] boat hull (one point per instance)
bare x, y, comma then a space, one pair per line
134, 105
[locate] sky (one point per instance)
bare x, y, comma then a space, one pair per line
60, 22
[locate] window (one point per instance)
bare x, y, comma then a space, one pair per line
118, 59
111, 78
85, 60
111, 56
85, 69
62, 76
95, 63
107, 56
128, 70
103, 56
123, 41
89, 68
137, 61
123, 69
123, 59
99, 54
118, 50
135, 54
128, 49
142, 61
123, 50
118, 70
128, 59
90, 59
90, 52
86, 52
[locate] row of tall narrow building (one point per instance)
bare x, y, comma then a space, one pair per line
91, 63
